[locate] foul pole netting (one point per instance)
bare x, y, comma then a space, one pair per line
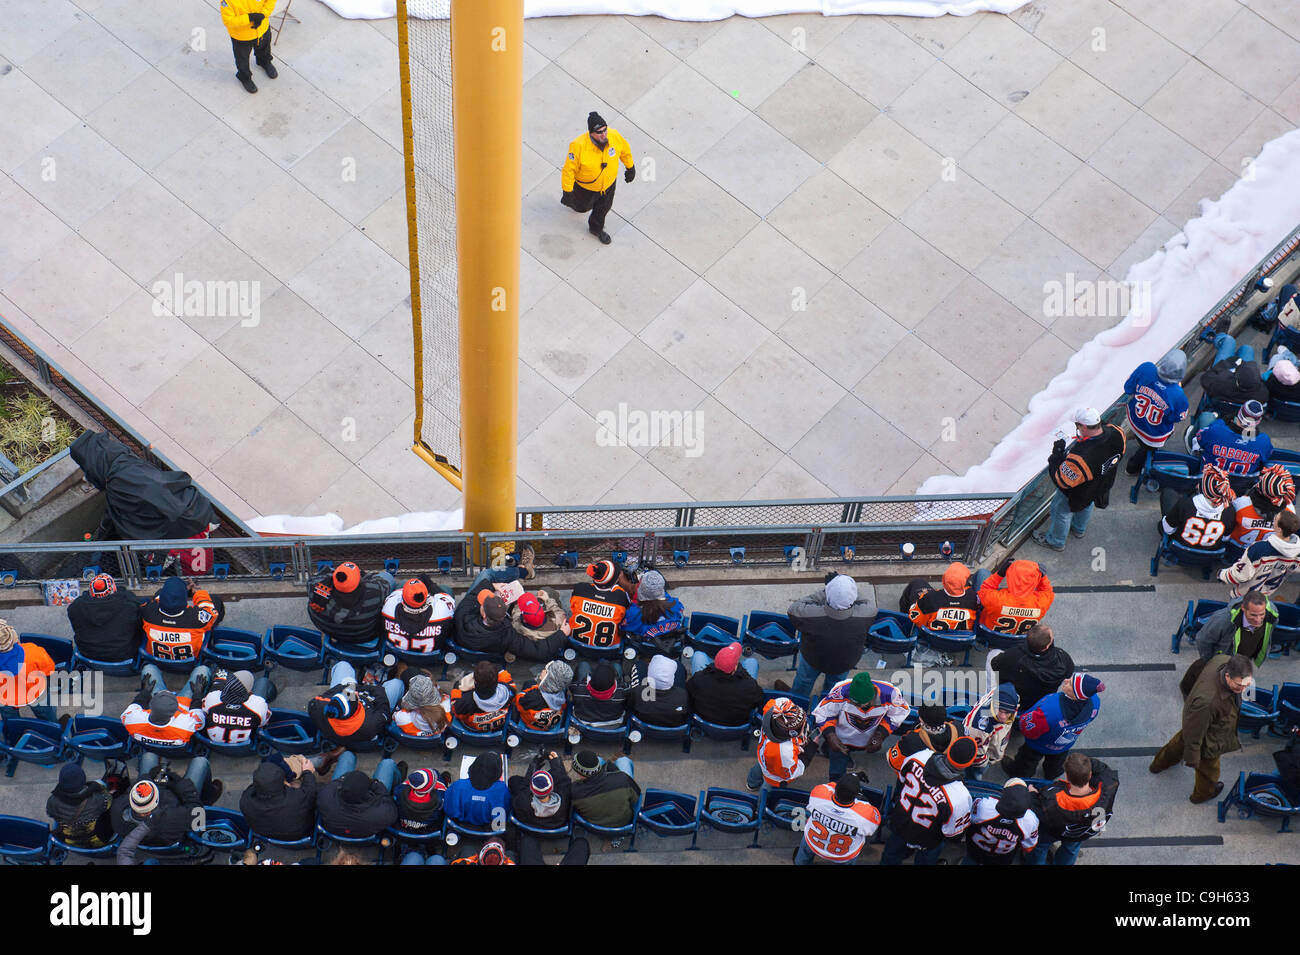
424, 42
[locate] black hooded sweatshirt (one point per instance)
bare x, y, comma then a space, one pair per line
369, 815
82, 818
472, 633
106, 628
1033, 675
347, 618
274, 809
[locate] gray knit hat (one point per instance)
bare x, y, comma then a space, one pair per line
421, 692
556, 677
651, 586
1172, 366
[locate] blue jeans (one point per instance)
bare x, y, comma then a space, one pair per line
198, 772
42, 711
199, 677
896, 851
1281, 353
806, 676
344, 672
385, 772
1063, 520
498, 575
701, 660
625, 764
1225, 346
805, 856
642, 668
1066, 852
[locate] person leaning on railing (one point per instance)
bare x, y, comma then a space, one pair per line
1083, 473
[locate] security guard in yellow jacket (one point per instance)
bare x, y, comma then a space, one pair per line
591, 170
249, 24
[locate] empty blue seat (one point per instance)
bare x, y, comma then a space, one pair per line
24, 841
28, 740
1258, 713
1288, 705
770, 635
711, 632
1194, 618
288, 732
1180, 472
298, 648
667, 813
98, 737
786, 808
1263, 794
660, 734
233, 649
1172, 551
729, 810
892, 632
219, 828
1286, 632
948, 641
60, 649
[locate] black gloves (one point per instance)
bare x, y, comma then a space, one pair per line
1003, 567
1058, 447
256, 19
830, 575
566, 198
629, 174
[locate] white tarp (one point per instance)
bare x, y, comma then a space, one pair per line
694, 9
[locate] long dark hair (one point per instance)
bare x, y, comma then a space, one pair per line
653, 610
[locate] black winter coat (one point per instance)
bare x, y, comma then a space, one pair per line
521, 795
473, 634
727, 698
591, 710
1085, 470
370, 817
1235, 382
348, 618
106, 628
377, 715
274, 809
1086, 817
82, 818
1033, 675
670, 707
171, 821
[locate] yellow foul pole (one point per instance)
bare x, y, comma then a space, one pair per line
487, 56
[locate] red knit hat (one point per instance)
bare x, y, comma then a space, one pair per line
530, 608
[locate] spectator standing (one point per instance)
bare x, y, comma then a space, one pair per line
857, 715
1156, 404
1083, 473
1073, 809
1209, 729
932, 804
833, 625
1001, 825
838, 824
784, 753
1266, 564
1053, 725
1036, 669
1244, 628
1019, 605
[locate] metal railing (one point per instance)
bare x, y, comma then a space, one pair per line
241, 560
18, 486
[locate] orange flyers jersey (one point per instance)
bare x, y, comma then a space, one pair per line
179, 637
1251, 528
837, 832
485, 722
596, 613
940, 610
176, 733
780, 761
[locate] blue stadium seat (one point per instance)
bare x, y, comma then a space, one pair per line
770, 635
28, 740
297, 648
551, 737
360, 655
414, 657
1193, 619
405, 841
422, 744
233, 649
1181, 472
728, 810
595, 734
785, 808
1288, 705
1262, 794
222, 829
711, 632
801, 701
615, 833
564, 832
1259, 713
667, 813
948, 641
258, 840
24, 841
1175, 552
454, 653
324, 837
60, 850
744, 732
465, 736
892, 632
1280, 410
993, 640
1286, 632
60, 649
129, 667
660, 734
465, 830
1288, 338
288, 732
585, 651
202, 745
674, 640
98, 737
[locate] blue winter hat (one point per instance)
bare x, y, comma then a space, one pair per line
1085, 686
173, 596
1008, 698
340, 706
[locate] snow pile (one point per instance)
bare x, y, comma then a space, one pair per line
331, 525
690, 9
1187, 277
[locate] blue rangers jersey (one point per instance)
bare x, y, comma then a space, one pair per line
1235, 453
1155, 406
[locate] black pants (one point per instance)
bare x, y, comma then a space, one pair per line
1026, 762
260, 48
598, 202
530, 851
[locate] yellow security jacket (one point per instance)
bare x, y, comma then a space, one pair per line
234, 14
583, 163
